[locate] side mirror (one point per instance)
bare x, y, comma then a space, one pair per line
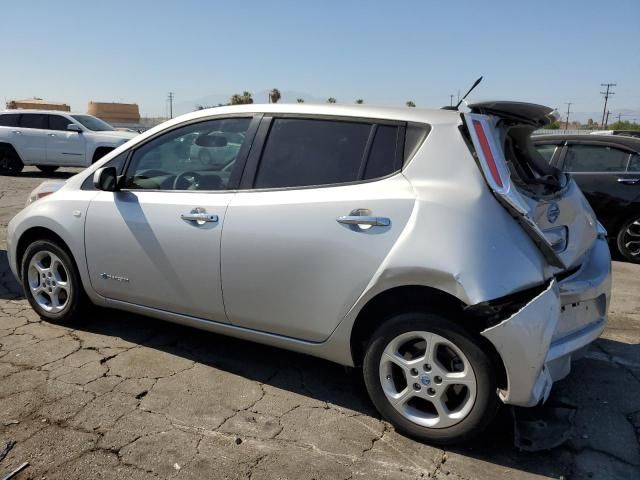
106, 179
72, 127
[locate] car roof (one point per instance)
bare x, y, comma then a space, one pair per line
629, 142
406, 114
31, 110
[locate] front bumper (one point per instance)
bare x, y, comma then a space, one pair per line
538, 342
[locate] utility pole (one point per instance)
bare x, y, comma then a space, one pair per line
170, 98
606, 122
566, 125
606, 98
451, 100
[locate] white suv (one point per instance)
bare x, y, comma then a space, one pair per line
54, 139
437, 250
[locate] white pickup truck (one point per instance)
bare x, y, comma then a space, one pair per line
51, 139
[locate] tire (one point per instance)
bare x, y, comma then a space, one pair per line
45, 268
466, 408
628, 239
10, 163
48, 169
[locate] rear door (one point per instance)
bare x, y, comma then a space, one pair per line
31, 138
323, 204
547, 203
600, 169
64, 147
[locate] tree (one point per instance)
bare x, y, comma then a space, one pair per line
624, 125
410, 103
553, 126
331, 100
300, 100
274, 95
243, 99
359, 101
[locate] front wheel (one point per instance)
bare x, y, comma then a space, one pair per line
51, 282
430, 378
48, 169
628, 239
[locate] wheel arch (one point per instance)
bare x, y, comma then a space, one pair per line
416, 297
100, 151
4, 145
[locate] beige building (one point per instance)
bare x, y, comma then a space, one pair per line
115, 113
37, 104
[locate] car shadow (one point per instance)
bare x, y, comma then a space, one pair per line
57, 175
307, 376
10, 289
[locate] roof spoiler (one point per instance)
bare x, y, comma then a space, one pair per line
528, 113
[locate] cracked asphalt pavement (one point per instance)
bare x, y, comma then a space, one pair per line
123, 396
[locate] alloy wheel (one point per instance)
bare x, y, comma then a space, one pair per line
49, 281
631, 239
427, 379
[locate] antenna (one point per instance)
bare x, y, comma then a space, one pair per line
475, 84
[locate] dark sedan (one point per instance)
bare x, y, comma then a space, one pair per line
607, 169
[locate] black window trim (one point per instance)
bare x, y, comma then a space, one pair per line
241, 160
617, 146
253, 162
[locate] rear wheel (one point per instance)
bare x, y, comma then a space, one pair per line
10, 163
47, 168
628, 239
430, 378
51, 282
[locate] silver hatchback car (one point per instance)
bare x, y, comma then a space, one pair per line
435, 249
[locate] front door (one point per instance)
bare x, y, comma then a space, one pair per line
64, 147
156, 243
303, 243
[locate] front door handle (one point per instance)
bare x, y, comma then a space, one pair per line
364, 220
52, 134
200, 216
628, 181
17, 132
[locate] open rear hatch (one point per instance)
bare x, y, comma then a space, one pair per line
545, 201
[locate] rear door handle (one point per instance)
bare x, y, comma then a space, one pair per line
17, 132
52, 134
364, 220
628, 181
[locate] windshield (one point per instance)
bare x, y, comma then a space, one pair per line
93, 123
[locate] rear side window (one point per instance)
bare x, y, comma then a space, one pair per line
33, 120
634, 163
595, 158
546, 150
304, 152
58, 122
383, 158
9, 120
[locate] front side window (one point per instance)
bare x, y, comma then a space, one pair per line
595, 158
304, 152
58, 122
93, 123
200, 156
634, 163
33, 120
546, 150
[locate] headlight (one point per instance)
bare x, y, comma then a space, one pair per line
42, 190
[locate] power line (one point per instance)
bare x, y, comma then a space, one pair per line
566, 125
170, 98
606, 98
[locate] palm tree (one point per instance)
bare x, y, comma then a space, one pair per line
241, 99
410, 103
274, 95
359, 101
300, 100
331, 100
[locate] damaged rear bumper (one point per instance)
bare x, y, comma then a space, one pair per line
538, 342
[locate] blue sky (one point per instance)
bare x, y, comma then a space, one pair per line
387, 52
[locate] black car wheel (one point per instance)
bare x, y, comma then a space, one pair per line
629, 239
10, 163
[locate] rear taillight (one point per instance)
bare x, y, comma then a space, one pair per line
488, 155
